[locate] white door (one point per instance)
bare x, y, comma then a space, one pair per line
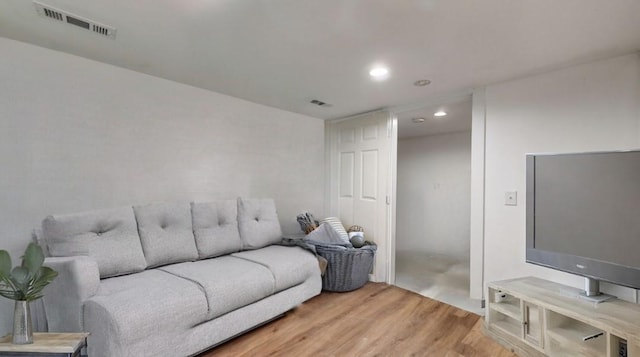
360, 158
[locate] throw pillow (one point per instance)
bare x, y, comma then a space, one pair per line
339, 228
325, 235
258, 223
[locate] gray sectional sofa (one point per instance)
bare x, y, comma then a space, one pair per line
172, 279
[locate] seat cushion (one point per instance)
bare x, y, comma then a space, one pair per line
215, 227
166, 233
290, 266
109, 236
228, 283
144, 304
258, 223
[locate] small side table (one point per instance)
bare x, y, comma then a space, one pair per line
46, 345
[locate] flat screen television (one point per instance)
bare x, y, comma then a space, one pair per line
583, 216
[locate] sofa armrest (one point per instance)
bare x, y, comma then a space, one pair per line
78, 280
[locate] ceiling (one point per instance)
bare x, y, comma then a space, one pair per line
285, 53
458, 118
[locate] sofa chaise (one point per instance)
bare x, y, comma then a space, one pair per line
172, 279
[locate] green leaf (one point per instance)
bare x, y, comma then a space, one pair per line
5, 263
20, 276
47, 274
10, 294
44, 277
33, 258
6, 283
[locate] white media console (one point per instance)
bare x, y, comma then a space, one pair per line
535, 317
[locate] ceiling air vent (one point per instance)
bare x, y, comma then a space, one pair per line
320, 103
53, 14
72, 19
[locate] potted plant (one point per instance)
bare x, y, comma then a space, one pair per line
24, 284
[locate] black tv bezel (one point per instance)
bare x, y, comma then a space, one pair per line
578, 265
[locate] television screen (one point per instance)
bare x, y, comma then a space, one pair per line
589, 205
583, 214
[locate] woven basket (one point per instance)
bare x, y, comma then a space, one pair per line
348, 268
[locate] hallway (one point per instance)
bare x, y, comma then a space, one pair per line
436, 276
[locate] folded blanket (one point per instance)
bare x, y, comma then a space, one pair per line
300, 242
326, 236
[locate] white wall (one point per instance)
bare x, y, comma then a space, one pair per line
433, 194
77, 135
593, 106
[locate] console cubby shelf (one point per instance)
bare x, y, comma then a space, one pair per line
536, 317
510, 308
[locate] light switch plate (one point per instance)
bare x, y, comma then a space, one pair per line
511, 198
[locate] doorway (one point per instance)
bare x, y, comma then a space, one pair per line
433, 202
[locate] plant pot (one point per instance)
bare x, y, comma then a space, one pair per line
22, 329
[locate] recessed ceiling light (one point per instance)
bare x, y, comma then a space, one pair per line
418, 120
379, 73
422, 83
440, 113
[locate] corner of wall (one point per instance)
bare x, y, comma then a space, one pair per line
476, 229
328, 181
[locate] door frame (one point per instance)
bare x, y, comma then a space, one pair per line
476, 233
478, 137
477, 199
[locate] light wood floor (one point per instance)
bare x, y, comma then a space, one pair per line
376, 320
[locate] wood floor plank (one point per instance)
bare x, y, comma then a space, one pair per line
376, 320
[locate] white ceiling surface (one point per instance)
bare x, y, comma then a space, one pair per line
458, 118
283, 53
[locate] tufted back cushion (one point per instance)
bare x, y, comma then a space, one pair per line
258, 223
110, 236
215, 226
166, 233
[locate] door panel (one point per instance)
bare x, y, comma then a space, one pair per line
370, 132
347, 135
369, 177
347, 162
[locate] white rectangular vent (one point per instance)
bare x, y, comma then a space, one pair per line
72, 19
